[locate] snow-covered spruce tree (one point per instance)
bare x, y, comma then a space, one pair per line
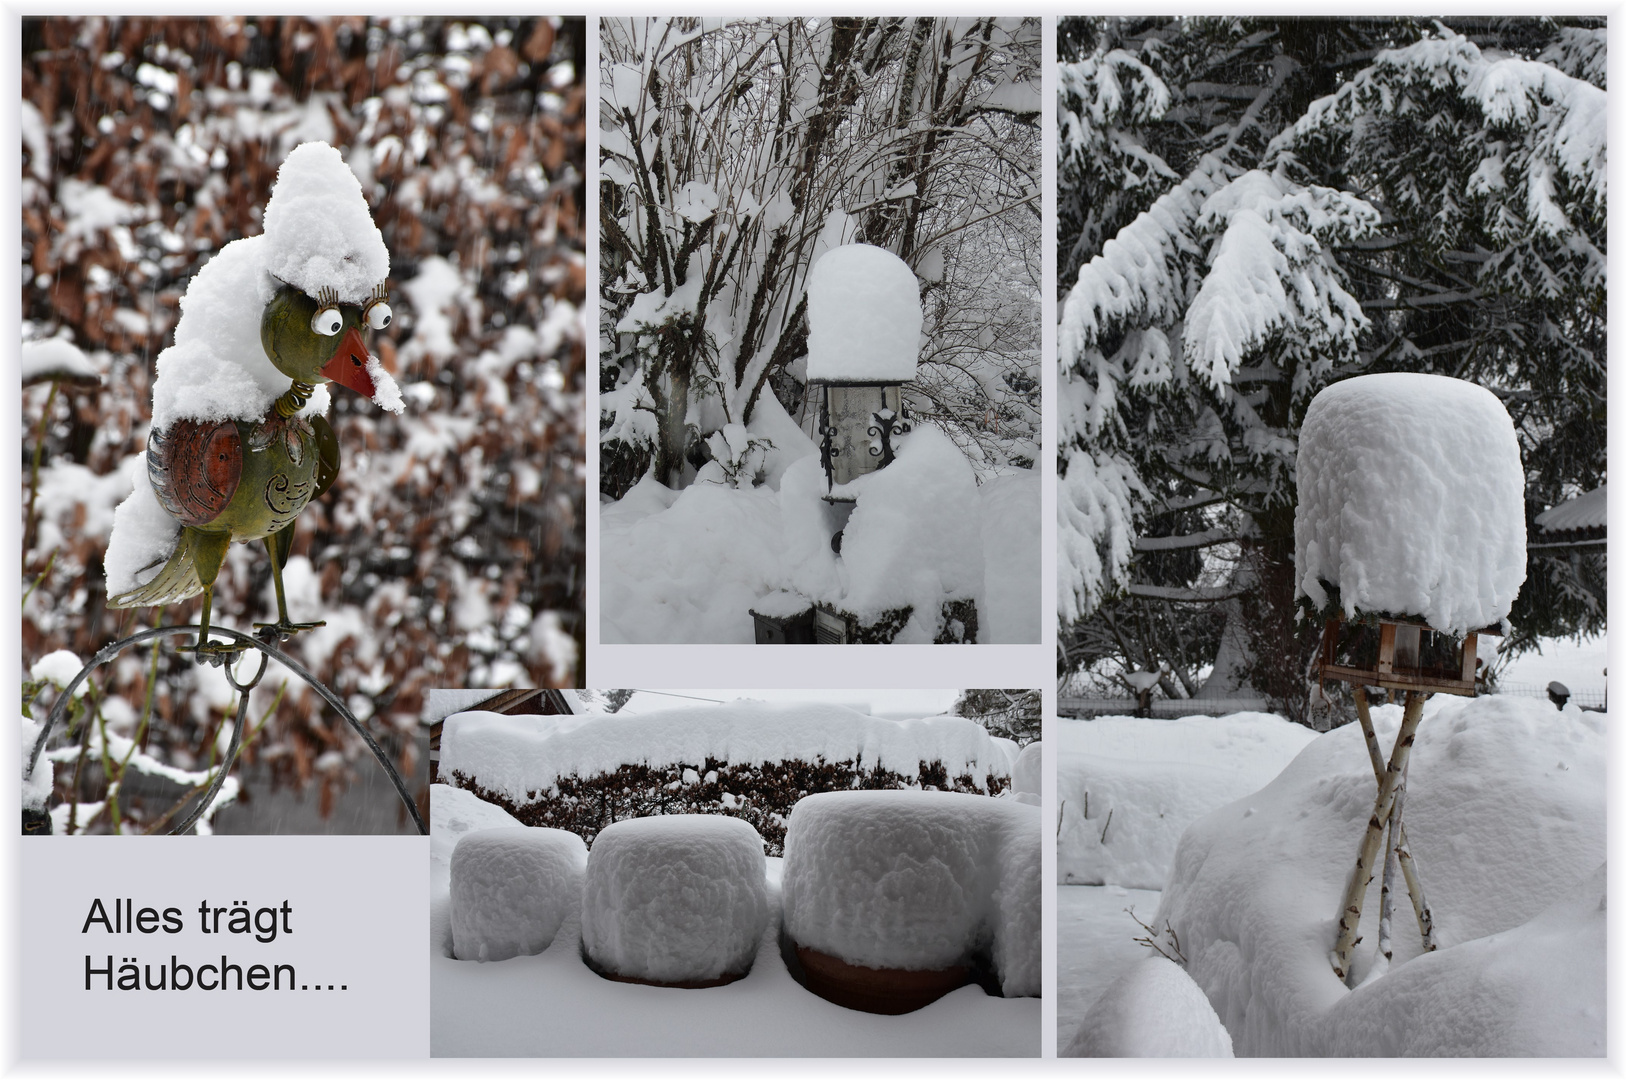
1253, 208
734, 153
1010, 714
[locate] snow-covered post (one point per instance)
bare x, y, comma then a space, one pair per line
1409, 543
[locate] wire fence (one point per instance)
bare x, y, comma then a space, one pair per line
1082, 707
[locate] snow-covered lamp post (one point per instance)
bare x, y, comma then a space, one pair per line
863, 317
864, 320
1409, 543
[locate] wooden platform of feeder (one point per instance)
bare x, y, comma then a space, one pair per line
1385, 675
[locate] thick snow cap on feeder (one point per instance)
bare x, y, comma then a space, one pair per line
1411, 501
863, 317
318, 228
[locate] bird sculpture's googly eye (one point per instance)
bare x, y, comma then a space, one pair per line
378, 315
327, 321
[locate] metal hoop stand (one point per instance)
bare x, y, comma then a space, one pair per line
267, 652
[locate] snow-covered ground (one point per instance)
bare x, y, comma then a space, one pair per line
1095, 943
1577, 663
552, 1004
1128, 788
1505, 816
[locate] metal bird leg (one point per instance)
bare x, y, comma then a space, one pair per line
277, 545
209, 551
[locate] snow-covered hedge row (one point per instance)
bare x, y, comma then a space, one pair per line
746, 760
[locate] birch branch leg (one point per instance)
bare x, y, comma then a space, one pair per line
1391, 872
1402, 850
1408, 867
1349, 910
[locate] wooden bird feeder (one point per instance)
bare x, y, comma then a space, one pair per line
1397, 653
1385, 524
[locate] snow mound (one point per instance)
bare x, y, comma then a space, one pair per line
1152, 1010
143, 536
36, 788
454, 812
318, 230
915, 536
917, 880
1129, 787
681, 898
511, 889
56, 358
1027, 775
518, 757
691, 569
1011, 548
59, 668
1411, 500
863, 317
217, 369
1505, 816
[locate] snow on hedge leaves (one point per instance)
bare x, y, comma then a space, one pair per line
515, 756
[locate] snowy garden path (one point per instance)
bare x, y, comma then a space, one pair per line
1094, 944
553, 1005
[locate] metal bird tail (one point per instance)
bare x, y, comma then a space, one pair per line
178, 579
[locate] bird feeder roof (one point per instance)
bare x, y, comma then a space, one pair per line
863, 317
1411, 501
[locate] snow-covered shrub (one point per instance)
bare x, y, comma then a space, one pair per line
917, 880
511, 889
1505, 815
746, 760
1411, 501
679, 899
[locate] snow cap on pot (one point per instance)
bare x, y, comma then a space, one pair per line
864, 319
1410, 524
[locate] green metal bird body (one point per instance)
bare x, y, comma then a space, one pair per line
231, 480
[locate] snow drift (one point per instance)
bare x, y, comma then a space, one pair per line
1152, 1010
1505, 815
1128, 788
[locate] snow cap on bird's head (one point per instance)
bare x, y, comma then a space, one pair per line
318, 230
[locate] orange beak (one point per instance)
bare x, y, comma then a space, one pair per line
349, 365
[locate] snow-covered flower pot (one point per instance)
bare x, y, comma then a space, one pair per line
511, 889
894, 898
1410, 524
679, 900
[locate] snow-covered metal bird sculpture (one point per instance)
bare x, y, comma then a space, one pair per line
239, 443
